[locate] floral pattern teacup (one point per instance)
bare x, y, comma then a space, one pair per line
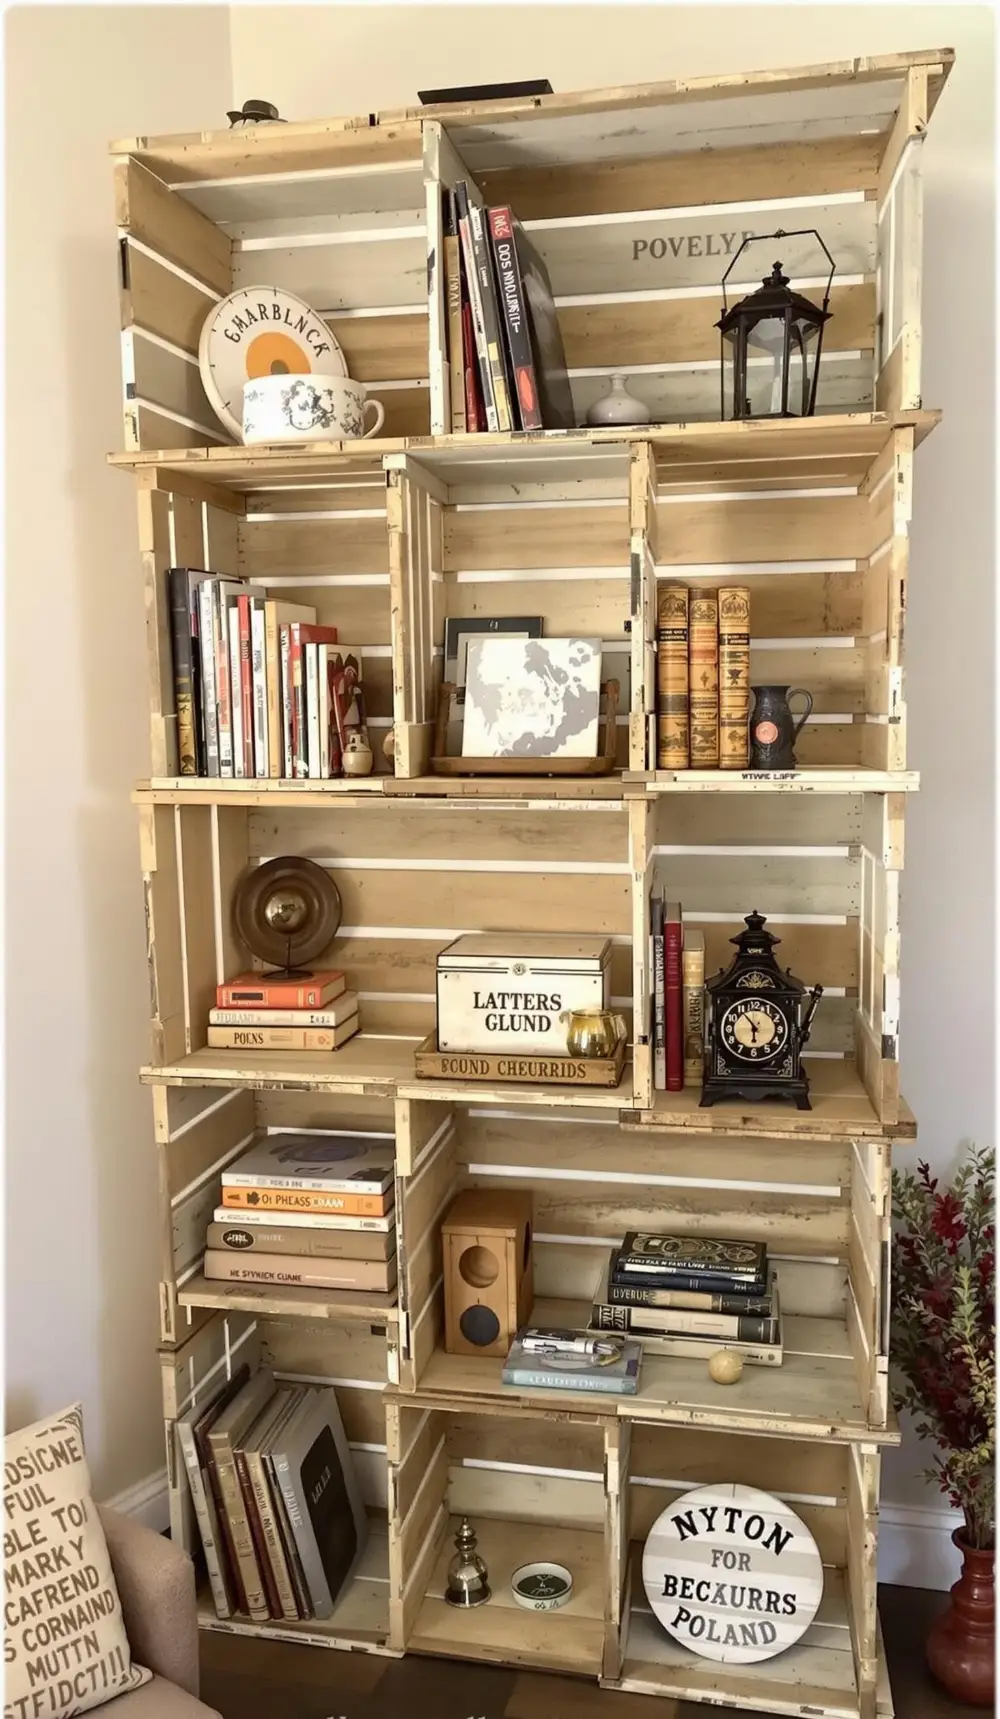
285, 408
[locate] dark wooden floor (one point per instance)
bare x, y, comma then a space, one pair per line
253, 1679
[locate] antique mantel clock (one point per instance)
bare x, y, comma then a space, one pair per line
755, 1030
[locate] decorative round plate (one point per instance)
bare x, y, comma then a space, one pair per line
732, 1573
287, 910
261, 331
542, 1587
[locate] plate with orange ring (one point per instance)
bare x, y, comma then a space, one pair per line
261, 331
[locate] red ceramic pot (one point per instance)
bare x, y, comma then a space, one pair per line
961, 1644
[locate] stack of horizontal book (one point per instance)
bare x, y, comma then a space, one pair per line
281, 1012
275, 1496
691, 1295
310, 1209
260, 689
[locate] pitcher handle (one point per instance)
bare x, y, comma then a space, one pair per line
800, 692
379, 416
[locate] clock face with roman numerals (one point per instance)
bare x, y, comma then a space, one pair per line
754, 1030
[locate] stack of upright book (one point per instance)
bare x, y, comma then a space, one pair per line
275, 1496
283, 1011
315, 1210
691, 1295
703, 678
677, 968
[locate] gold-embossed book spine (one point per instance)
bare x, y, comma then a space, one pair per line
703, 675
672, 678
734, 677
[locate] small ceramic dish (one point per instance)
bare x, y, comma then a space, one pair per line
541, 1587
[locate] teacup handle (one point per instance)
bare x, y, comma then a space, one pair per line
379, 417
800, 692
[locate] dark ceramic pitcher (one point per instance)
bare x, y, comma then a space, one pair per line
773, 728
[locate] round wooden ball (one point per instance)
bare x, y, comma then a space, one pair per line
725, 1366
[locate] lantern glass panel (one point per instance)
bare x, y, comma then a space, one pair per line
765, 363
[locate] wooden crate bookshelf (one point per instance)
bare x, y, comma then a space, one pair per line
636, 199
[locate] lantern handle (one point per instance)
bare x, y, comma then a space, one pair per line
796, 233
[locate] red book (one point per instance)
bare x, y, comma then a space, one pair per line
246, 684
673, 949
269, 991
303, 633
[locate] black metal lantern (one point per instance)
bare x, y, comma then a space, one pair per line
775, 337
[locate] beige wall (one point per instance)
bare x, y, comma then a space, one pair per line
353, 59
81, 1203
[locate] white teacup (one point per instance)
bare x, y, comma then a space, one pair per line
285, 408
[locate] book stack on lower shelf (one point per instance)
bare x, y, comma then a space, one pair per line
276, 1500
691, 1295
308, 1210
280, 1012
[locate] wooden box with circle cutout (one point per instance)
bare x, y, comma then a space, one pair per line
488, 1283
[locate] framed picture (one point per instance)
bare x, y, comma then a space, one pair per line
459, 631
532, 698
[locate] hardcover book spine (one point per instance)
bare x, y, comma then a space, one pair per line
305, 1542
659, 996
707, 1301
693, 967
262, 993
197, 683
453, 286
325, 1017
308, 1220
672, 678
272, 658
364, 1276
235, 688
287, 703
272, 1551
324, 713
300, 737
239, 1529
703, 695
204, 1510
303, 1597
246, 685
271, 1595
551, 1380
491, 317
280, 1237
282, 1038
223, 684
180, 622
475, 415
734, 677
646, 1279
510, 285
261, 737
378, 1182
311, 655
673, 938
210, 704
273, 1200
673, 1343
679, 1322
476, 306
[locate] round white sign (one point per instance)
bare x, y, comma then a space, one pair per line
261, 331
732, 1573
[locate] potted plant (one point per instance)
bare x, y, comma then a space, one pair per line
943, 1354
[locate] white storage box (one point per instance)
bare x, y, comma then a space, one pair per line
506, 991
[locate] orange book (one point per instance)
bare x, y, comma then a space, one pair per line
292, 1200
274, 991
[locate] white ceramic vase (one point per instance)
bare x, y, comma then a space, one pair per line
618, 406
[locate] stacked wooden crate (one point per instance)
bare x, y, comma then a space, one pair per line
621, 190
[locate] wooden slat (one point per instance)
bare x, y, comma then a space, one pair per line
163, 931
790, 605
405, 833
661, 182
146, 209
537, 537
154, 548
338, 546
156, 298
383, 348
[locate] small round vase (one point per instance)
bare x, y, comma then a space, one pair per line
960, 1646
618, 406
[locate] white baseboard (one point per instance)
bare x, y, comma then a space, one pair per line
914, 1546
147, 1501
